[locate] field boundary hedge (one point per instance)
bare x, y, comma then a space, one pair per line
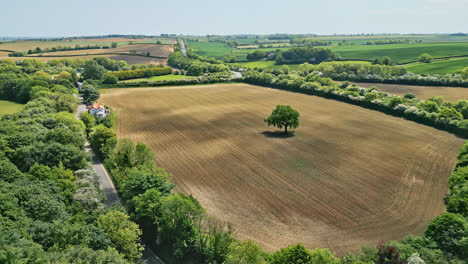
140, 73
166, 83
81, 55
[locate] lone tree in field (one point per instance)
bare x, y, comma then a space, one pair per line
283, 116
425, 58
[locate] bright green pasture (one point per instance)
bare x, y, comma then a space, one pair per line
402, 53
7, 107
439, 67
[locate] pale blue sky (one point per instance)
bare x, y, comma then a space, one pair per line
152, 17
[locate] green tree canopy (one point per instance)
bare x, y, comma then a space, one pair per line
93, 70
283, 116
425, 58
123, 233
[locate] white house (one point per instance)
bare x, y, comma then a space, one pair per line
98, 110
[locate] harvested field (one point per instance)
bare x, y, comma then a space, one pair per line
130, 59
349, 177
4, 55
25, 45
140, 49
421, 92
154, 50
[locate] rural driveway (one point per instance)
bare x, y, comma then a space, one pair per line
182, 46
107, 186
108, 189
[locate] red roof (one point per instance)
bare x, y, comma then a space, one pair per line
96, 106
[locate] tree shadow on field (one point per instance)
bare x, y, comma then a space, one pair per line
278, 134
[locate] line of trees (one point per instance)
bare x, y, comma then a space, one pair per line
140, 73
387, 41
360, 72
309, 42
194, 64
305, 54
51, 208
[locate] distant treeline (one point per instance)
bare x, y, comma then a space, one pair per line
295, 55
38, 50
140, 73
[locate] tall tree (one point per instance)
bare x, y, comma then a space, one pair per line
283, 116
123, 233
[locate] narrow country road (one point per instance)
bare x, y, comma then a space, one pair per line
108, 189
182, 46
106, 185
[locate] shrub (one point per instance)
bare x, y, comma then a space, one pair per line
110, 79
140, 73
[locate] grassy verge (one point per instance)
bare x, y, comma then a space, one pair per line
169, 77
7, 107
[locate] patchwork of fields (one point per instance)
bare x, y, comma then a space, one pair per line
349, 177
141, 53
402, 53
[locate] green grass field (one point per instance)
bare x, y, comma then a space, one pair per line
210, 49
7, 107
439, 67
218, 51
169, 77
402, 53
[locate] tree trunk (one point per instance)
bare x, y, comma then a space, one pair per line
286, 130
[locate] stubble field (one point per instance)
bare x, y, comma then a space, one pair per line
349, 177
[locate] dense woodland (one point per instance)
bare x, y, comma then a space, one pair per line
51, 209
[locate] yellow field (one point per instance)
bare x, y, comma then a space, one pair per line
349, 177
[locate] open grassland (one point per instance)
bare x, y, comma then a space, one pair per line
439, 67
7, 107
402, 53
349, 177
422, 92
210, 49
170, 77
218, 51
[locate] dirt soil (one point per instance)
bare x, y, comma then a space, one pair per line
348, 177
422, 92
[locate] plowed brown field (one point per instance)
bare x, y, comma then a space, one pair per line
349, 177
422, 92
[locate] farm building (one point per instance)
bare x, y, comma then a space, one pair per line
98, 110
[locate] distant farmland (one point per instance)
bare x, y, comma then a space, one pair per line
132, 54
26, 45
349, 177
402, 53
422, 92
439, 67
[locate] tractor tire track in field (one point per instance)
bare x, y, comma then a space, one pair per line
349, 177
